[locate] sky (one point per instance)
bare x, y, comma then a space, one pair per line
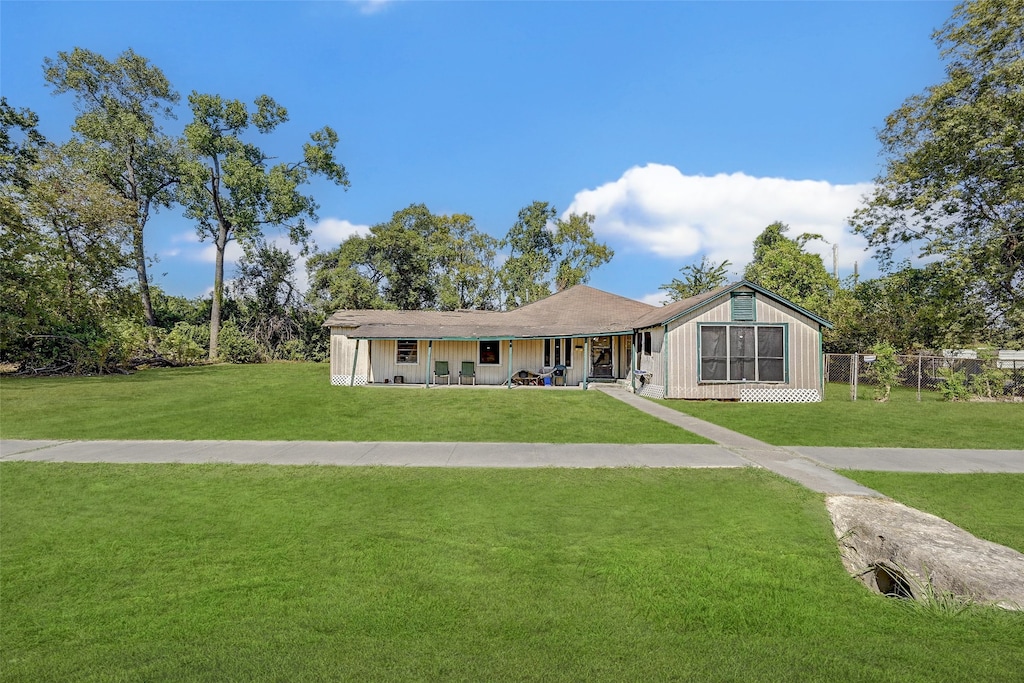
685, 128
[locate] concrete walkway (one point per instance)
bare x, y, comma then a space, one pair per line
812, 467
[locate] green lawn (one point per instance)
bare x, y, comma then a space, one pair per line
901, 423
295, 401
258, 573
987, 505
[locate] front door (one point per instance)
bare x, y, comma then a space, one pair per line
601, 357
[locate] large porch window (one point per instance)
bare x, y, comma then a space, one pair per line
557, 352
742, 353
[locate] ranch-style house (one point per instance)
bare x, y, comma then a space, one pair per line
739, 341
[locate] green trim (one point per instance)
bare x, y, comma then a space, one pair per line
664, 361
737, 314
567, 335
632, 364
509, 363
821, 363
785, 353
430, 366
586, 361
757, 288
355, 357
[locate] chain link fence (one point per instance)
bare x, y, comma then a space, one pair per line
988, 378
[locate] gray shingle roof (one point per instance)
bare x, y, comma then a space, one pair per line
577, 311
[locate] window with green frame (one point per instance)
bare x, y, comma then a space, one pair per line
742, 353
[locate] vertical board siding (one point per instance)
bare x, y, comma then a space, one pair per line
803, 363
527, 354
342, 350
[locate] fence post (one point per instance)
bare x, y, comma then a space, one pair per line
918, 376
853, 378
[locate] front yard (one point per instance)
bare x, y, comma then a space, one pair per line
219, 572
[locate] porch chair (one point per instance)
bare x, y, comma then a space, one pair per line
441, 370
468, 370
558, 376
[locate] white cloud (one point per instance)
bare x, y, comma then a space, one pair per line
331, 232
657, 299
370, 6
657, 209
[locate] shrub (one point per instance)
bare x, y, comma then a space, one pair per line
953, 385
234, 346
185, 343
884, 370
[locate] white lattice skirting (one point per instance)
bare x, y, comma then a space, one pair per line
345, 380
652, 391
768, 395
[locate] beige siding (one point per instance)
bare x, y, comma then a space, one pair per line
527, 354
377, 359
343, 350
803, 351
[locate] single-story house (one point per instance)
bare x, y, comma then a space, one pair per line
739, 341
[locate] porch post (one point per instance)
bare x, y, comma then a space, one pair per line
632, 364
355, 355
509, 358
586, 361
430, 351
664, 359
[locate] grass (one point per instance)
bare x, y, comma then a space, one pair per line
217, 572
987, 505
901, 423
295, 401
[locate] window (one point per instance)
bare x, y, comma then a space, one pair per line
743, 309
557, 352
489, 353
742, 353
647, 343
407, 351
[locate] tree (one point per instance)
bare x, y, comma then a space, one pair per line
781, 265
540, 253
953, 183
416, 260
525, 274
232, 191
121, 105
269, 302
346, 277
697, 279
578, 251
467, 278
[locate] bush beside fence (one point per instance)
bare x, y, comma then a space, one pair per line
957, 378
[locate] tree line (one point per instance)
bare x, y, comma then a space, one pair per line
951, 193
76, 294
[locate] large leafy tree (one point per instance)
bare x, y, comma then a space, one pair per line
525, 275
578, 252
467, 278
233, 191
122, 104
544, 251
698, 278
781, 265
953, 183
415, 260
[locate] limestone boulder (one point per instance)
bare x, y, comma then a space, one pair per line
897, 550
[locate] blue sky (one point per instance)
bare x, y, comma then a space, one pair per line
685, 127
